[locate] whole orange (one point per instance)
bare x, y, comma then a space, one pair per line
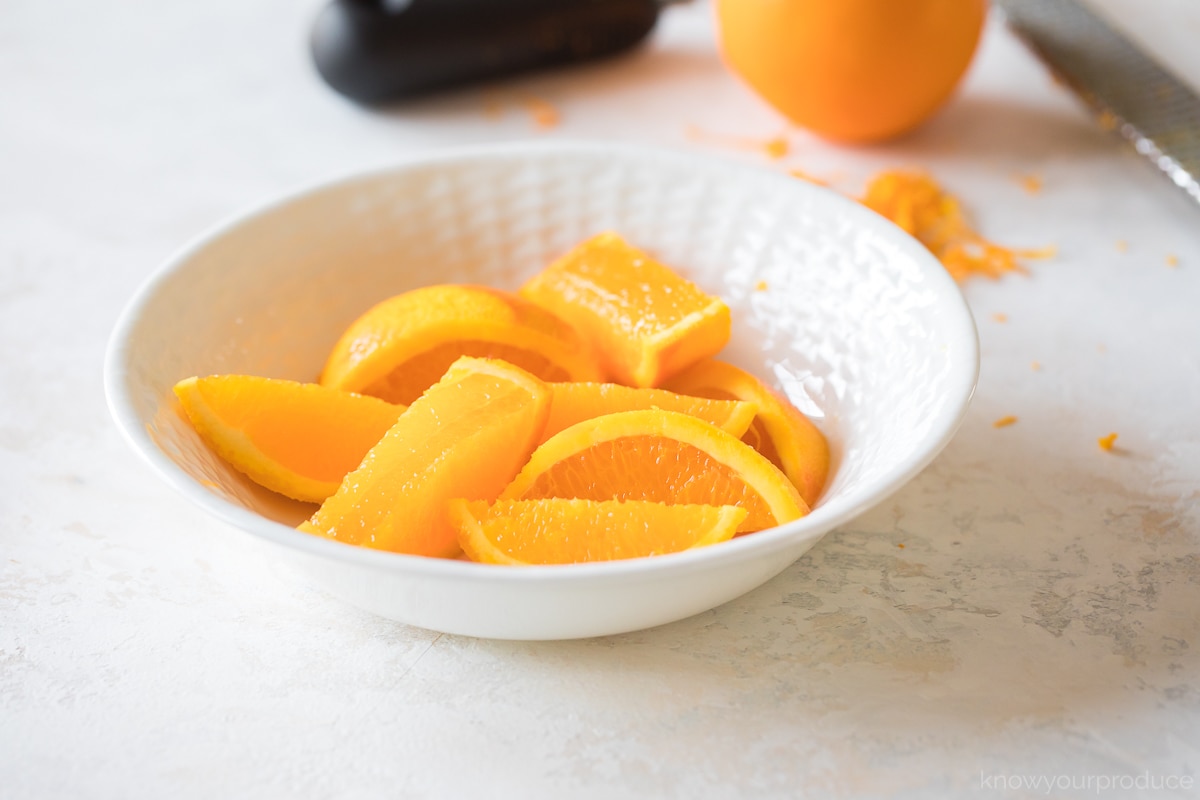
851, 70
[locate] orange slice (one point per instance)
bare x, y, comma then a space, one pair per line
645, 322
402, 346
575, 402
465, 437
298, 439
663, 456
558, 531
779, 432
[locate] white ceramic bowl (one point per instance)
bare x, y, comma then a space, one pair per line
832, 304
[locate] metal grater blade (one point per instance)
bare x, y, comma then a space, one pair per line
1132, 94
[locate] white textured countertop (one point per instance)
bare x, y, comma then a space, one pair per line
1028, 607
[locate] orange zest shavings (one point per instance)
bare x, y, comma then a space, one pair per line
1107, 442
804, 176
1004, 422
916, 203
775, 148
1030, 183
544, 114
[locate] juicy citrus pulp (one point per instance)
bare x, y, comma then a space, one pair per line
568, 531
663, 456
402, 346
465, 437
511, 443
298, 439
644, 321
575, 402
780, 432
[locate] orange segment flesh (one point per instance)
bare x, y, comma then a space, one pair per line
422, 371
663, 456
402, 346
298, 439
575, 402
465, 437
644, 321
780, 432
561, 531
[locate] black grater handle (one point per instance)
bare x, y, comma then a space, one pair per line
376, 51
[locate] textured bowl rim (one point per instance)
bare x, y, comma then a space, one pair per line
961, 382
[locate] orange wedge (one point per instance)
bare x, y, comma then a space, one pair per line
298, 439
779, 431
663, 456
465, 437
575, 402
645, 322
402, 346
558, 531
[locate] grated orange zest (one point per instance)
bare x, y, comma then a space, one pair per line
775, 148
1030, 183
1004, 422
543, 113
916, 203
1107, 442
804, 176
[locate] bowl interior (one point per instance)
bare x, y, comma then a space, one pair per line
832, 305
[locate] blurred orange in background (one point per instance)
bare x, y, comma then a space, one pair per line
851, 70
